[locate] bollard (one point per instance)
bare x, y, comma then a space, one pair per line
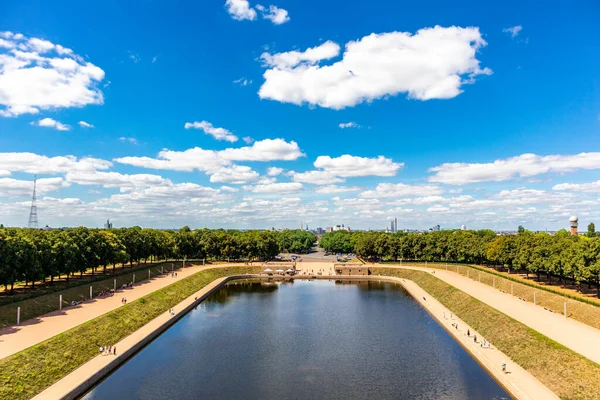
133, 279
148, 274
172, 267
90, 292
425, 264
162, 269
565, 309
60, 302
115, 285
18, 315
203, 260
534, 299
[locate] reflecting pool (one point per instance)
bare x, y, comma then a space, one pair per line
303, 340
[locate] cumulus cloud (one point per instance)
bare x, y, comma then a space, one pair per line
523, 166
84, 124
51, 123
274, 171
38, 164
229, 189
240, 10
330, 189
264, 150
236, 174
433, 63
384, 190
19, 188
351, 166
36, 74
591, 187
116, 180
315, 177
513, 31
274, 14
209, 129
345, 125
276, 187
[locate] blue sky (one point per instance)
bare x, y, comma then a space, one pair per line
454, 114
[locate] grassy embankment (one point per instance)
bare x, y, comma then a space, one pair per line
566, 373
36, 306
30, 371
581, 308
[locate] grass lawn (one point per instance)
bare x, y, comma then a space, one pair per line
45, 303
566, 373
25, 374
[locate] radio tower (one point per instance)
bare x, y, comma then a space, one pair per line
33, 221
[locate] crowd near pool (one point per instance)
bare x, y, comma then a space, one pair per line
303, 340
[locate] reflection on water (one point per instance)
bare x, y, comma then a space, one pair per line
303, 340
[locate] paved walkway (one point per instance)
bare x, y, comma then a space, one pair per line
516, 380
573, 334
17, 338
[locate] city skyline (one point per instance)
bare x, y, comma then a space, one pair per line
234, 115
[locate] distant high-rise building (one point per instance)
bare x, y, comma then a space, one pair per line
463, 228
395, 225
108, 224
391, 226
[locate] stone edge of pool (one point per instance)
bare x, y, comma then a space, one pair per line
520, 384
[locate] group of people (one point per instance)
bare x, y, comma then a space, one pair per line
106, 293
127, 285
173, 274
123, 300
171, 311
108, 350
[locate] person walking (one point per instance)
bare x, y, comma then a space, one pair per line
468, 333
115, 351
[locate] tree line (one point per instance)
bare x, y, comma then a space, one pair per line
561, 255
30, 255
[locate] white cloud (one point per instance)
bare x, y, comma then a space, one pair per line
243, 81
345, 125
315, 177
229, 189
351, 166
279, 188
513, 30
384, 190
51, 123
329, 189
188, 160
128, 139
437, 208
209, 129
592, 187
117, 180
236, 174
310, 56
434, 63
274, 14
37, 164
248, 140
240, 10
36, 75
525, 165
264, 150
274, 171
18, 188
84, 124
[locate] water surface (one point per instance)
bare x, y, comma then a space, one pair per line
303, 340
